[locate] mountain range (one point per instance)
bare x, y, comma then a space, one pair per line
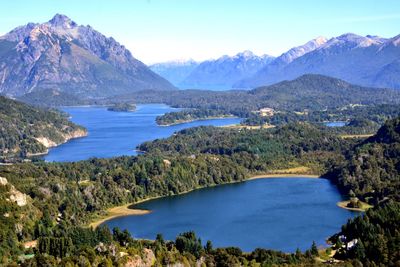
175, 71
64, 56
368, 61
364, 60
214, 74
71, 60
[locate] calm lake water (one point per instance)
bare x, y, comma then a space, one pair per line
282, 214
118, 133
335, 123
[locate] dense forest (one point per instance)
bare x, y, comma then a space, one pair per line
372, 168
122, 107
190, 115
59, 195
374, 237
25, 130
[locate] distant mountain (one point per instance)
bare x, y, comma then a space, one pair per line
64, 56
277, 65
175, 71
223, 72
368, 61
319, 92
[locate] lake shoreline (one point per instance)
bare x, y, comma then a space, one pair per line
127, 210
199, 119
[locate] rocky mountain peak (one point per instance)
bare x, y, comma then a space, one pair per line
60, 54
60, 20
299, 51
352, 40
320, 40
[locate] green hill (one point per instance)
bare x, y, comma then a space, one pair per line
27, 131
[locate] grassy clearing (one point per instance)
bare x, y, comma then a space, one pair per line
364, 206
348, 136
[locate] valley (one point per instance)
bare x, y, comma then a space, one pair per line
235, 159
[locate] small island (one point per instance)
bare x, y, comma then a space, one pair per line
189, 115
122, 107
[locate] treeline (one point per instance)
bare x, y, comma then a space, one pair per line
70, 246
190, 115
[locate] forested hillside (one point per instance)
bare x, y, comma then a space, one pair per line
75, 193
377, 236
25, 130
372, 171
315, 92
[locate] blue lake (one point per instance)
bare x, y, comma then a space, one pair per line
274, 213
282, 214
335, 123
118, 133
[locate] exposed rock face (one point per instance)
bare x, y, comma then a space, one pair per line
147, 261
3, 181
14, 195
48, 143
60, 54
363, 60
18, 197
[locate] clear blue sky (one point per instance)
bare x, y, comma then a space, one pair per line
159, 30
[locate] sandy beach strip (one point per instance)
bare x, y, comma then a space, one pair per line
118, 211
364, 206
283, 175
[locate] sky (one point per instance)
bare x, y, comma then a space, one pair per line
163, 30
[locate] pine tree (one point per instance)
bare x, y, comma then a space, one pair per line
314, 249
